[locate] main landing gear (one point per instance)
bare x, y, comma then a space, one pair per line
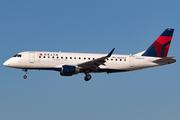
87, 77
25, 76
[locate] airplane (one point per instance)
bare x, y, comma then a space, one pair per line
69, 64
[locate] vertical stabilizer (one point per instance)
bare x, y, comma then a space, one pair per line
161, 46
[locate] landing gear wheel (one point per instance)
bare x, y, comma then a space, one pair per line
25, 76
87, 77
25, 70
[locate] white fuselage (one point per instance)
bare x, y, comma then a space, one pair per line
55, 61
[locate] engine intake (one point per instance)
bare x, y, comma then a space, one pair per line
68, 70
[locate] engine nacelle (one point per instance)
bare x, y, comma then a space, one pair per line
68, 70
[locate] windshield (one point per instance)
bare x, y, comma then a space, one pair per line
17, 55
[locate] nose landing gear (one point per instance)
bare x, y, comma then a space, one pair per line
25, 76
87, 77
25, 70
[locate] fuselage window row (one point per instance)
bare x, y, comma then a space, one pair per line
80, 58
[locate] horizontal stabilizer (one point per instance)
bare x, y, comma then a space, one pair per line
165, 60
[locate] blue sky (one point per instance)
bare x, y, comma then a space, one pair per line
92, 26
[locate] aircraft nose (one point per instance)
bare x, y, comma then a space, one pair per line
6, 63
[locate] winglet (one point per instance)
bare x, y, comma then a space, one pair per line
109, 55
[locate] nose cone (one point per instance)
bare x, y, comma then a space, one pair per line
6, 63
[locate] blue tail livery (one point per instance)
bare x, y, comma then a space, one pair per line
161, 46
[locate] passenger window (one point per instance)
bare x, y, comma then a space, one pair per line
84, 58
74, 57
61, 57
116, 59
57, 57
79, 57
44, 57
88, 58
70, 57
53, 57
93, 58
120, 59
66, 57
111, 59
48, 56
39, 56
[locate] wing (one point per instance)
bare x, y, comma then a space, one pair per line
94, 64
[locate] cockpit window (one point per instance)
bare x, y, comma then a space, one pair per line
17, 55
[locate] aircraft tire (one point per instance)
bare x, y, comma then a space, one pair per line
25, 76
87, 77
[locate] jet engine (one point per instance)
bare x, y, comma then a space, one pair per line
68, 70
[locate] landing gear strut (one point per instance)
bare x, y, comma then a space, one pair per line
25, 76
87, 77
